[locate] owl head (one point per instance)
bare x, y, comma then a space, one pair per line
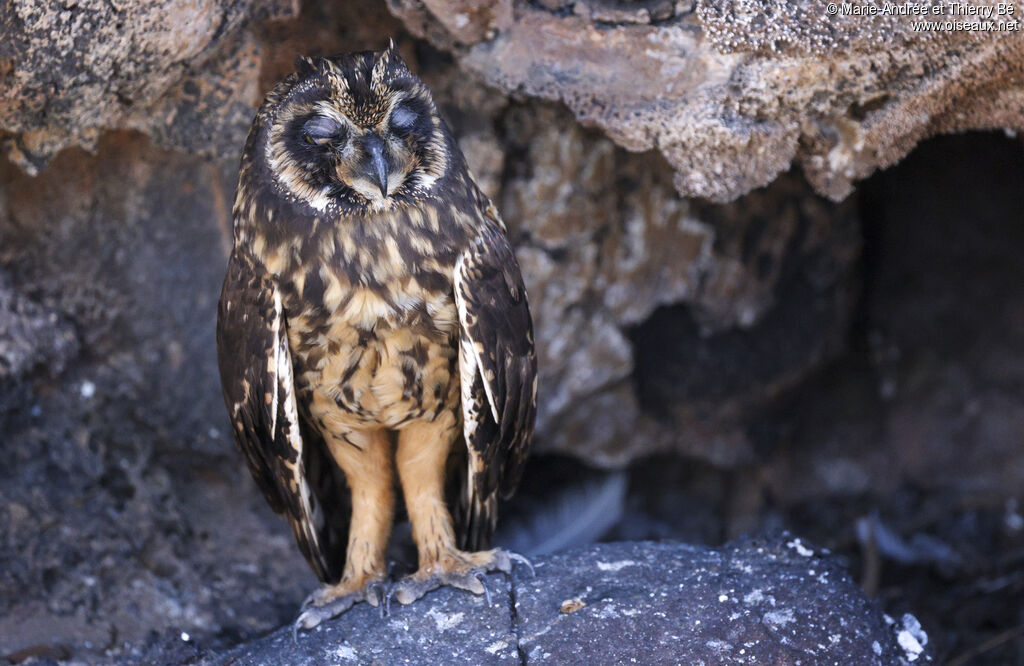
358, 129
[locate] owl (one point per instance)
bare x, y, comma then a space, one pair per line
373, 333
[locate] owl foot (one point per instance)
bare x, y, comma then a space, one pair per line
330, 601
466, 571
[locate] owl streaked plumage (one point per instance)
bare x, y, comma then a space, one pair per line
373, 328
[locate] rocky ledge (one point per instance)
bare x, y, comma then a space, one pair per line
758, 602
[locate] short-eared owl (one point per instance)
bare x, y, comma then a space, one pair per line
373, 322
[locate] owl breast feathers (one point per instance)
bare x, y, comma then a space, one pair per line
373, 324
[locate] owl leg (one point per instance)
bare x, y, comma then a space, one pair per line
365, 457
421, 457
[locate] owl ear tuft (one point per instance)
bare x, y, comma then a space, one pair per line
327, 65
393, 57
305, 66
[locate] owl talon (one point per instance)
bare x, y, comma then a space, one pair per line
379, 596
410, 589
481, 576
519, 559
314, 615
310, 599
320, 605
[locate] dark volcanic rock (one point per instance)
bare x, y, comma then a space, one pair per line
446, 627
124, 511
763, 602
31, 336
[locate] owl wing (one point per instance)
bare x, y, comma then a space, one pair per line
256, 378
498, 375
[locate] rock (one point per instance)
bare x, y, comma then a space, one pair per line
185, 73
127, 247
663, 323
738, 91
775, 601
129, 511
36, 344
729, 98
32, 337
604, 239
446, 627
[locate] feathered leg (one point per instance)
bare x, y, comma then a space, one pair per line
422, 452
365, 457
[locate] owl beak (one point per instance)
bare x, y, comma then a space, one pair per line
379, 167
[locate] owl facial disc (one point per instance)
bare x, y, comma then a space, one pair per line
357, 131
